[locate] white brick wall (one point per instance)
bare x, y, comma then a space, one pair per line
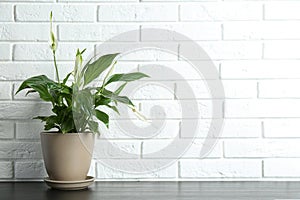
282, 11
30, 169
137, 13
62, 12
254, 45
221, 11
17, 32
220, 168
7, 12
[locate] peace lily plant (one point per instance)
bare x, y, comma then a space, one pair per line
75, 107
60, 94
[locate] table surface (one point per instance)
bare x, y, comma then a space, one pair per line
156, 191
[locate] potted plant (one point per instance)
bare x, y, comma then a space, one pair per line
68, 140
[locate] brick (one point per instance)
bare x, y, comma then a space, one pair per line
30, 170
199, 89
279, 89
137, 129
23, 110
220, 168
97, 1
261, 108
6, 130
279, 168
23, 70
20, 32
261, 30
61, 12
6, 11
185, 148
93, 32
281, 128
137, 12
141, 51
125, 67
172, 109
27, 1
241, 128
33, 52
151, 55
220, 11
257, 148
29, 130
169, 1
131, 169
148, 90
282, 10
6, 170
105, 149
6, 91
42, 52
221, 50
232, 128
281, 49
190, 31
5, 52
177, 0
15, 150
178, 70
263, 69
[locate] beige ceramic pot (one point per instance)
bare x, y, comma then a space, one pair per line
67, 156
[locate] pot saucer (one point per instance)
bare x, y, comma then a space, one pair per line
70, 185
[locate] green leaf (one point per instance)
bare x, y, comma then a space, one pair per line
67, 125
41, 84
115, 97
30, 91
126, 77
114, 108
84, 102
42, 118
93, 126
36, 80
83, 51
119, 90
103, 117
101, 100
94, 70
67, 77
50, 122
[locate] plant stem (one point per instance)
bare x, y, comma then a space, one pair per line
56, 69
137, 113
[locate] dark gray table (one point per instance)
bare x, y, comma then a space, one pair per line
156, 191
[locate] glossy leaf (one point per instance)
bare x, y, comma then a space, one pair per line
67, 78
40, 84
119, 90
126, 77
94, 70
93, 126
115, 97
102, 116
